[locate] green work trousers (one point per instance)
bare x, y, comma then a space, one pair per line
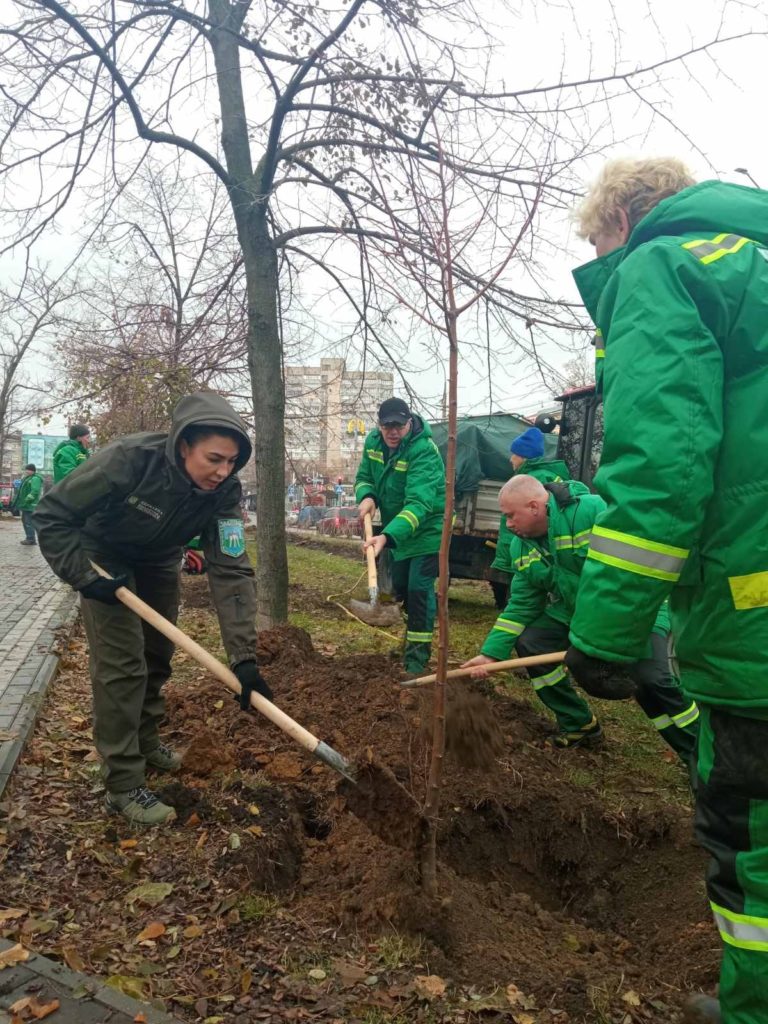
670, 709
413, 580
732, 825
129, 662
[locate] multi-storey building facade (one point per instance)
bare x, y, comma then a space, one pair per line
329, 410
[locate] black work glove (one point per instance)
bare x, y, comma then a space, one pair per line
609, 680
104, 590
252, 681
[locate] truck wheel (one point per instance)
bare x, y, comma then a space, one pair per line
500, 594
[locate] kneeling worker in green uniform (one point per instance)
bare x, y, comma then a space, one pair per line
402, 473
551, 524
130, 509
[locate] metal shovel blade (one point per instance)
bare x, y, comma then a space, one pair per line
376, 614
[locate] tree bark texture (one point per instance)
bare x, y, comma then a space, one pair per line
249, 198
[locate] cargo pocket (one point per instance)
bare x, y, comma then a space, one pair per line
740, 755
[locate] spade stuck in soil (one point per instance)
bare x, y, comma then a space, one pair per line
373, 613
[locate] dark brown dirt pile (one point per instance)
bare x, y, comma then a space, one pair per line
541, 882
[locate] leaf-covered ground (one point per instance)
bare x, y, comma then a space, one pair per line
267, 901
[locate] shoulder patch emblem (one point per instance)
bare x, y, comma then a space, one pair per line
232, 537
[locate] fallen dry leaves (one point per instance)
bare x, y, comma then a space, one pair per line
30, 1008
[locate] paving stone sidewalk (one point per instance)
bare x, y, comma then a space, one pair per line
34, 605
82, 1000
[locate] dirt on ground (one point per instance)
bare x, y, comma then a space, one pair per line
554, 904
540, 882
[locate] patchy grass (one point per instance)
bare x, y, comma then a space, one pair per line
394, 951
257, 907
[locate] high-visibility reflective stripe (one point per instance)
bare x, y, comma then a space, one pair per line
409, 517
635, 554
742, 930
662, 722
707, 250
375, 456
686, 717
362, 487
527, 560
508, 626
578, 540
749, 591
401, 465
550, 679
418, 638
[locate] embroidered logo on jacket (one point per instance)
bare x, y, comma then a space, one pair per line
144, 506
232, 537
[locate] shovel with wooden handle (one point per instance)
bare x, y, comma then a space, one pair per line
265, 707
373, 613
497, 666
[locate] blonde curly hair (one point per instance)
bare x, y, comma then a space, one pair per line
635, 186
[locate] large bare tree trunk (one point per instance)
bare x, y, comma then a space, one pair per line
249, 198
265, 368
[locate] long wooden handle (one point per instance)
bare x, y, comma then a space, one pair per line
497, 666
213, 665
370, 554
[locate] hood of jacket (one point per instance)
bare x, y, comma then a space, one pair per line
70, 442
556, 466
567, 492
709, 209
206, 409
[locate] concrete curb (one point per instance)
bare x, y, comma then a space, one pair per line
24, 723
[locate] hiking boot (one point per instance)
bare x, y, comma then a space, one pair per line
140, 806
590, 736
701, 1009
163, 759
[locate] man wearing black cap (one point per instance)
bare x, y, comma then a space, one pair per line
402, 474
70, 454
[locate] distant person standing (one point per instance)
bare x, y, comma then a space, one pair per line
73, 452
26, 501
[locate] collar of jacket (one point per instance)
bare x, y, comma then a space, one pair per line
416, 431
591, 278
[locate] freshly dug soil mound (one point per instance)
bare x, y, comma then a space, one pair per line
541, 882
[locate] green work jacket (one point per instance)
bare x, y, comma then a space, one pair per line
68, 455
547, 570
29, 493
408, 486
682, 349
546, 471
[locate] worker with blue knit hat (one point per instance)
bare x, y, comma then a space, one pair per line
529, 445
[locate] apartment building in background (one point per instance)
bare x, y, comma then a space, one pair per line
328, 411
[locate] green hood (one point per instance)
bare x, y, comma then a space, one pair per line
709, 208
206, 409
551, 467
